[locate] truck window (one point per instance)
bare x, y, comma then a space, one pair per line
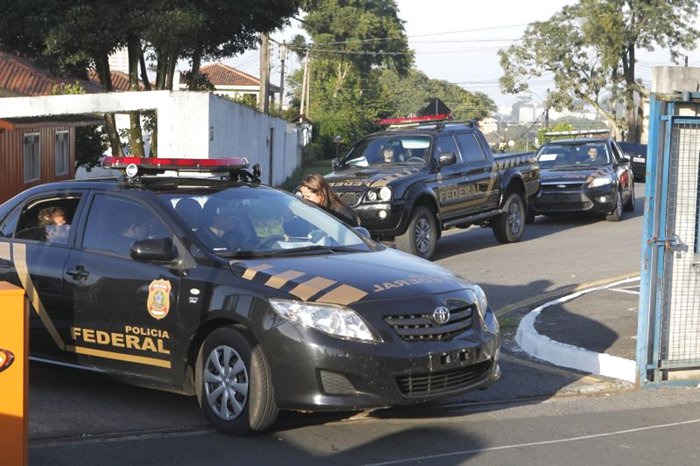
471, 150
446, 144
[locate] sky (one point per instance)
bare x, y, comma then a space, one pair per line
458, 41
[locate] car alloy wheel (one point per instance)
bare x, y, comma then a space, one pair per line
226, 382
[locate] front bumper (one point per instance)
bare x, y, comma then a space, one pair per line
551, 199
314, 371
383, 220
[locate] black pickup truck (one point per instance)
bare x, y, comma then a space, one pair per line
409, 184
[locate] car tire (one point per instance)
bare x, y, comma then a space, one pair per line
509, 226
631, 202
234, 383
616, 215
420, 237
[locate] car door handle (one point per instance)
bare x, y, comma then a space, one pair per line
78, 273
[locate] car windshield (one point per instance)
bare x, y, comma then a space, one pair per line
391, 149
248, 221
573, 155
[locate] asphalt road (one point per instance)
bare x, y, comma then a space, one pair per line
537, 413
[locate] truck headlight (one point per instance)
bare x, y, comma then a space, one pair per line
334, 320
600, 181
379, 194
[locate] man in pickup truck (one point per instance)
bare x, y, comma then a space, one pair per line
391, 154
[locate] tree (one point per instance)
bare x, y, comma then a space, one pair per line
406, 95
352, 41
75, 34
590, 48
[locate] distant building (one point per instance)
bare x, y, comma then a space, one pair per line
236, 84
35, 150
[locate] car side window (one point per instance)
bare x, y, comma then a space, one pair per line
7, 226
115, 223
470, 148
48, 219
445, 145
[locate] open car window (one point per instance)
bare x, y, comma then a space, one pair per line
47, 219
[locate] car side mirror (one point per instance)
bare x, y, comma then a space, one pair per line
335, 163
154, 250
625, 159
448, 158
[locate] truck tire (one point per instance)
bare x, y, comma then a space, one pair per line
420, 236
234, 383
509, 226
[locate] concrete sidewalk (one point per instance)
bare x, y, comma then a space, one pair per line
593, 330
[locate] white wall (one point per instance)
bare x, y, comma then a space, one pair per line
190, 124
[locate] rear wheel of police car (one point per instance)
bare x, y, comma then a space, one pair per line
631, 202
234, 383
421, 235
509, 226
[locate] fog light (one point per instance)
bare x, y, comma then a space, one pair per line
382, 214
603, 199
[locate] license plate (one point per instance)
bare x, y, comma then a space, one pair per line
451, 359
638, 159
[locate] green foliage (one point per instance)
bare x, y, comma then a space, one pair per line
542, 139
590, 49
90, 144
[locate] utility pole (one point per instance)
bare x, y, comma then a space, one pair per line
546, 111
264, 99
304, 85
283, 57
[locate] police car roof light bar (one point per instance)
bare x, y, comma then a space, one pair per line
414, 120
182, 164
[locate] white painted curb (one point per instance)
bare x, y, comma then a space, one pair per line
561, 354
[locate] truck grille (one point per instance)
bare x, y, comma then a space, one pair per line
350, 198
441, 382
413, 327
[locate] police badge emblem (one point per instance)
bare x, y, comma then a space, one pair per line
158, 303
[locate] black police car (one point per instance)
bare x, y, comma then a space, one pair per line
244, 295
584, 175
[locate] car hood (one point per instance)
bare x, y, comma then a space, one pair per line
346, 278
370, 176
573, 174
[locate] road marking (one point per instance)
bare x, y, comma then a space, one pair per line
562, 292
417, 459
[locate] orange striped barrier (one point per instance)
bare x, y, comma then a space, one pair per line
14, 375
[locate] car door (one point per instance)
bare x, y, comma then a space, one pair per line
36, 264
124, 309
481, 173
454, 189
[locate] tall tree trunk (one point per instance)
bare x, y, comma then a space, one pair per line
103, 72
631, 105
135, 133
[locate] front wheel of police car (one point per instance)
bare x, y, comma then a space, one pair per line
234, 385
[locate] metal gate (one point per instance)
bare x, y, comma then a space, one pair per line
668, 344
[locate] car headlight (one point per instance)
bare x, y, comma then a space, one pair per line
600, 181
479, 297
334, 320
379, 194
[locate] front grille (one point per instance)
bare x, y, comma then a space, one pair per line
441, 382
568, 188
349, 198
413, 327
